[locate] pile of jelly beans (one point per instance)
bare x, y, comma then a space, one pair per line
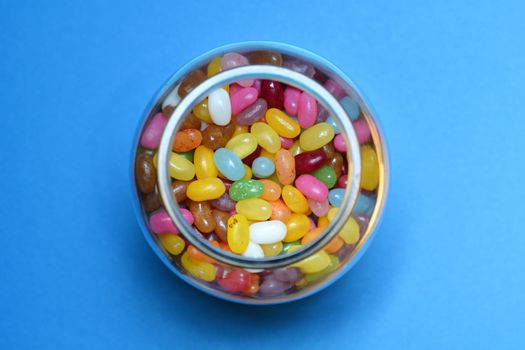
258, 168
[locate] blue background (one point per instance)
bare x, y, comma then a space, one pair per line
447, 266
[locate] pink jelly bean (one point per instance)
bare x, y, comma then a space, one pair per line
232, 60
160, 222
153, 131
319, 208
340, 143
243, 98
307, 110
257, 85
312, 224
232, 212
311, 187
234, 88
362, 130
187, 215
291, 100
286, 142
334, 88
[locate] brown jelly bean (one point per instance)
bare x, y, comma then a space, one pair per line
253, 113
202, 216
186, 140
215, 136
336, 163
307, 162
178, 188
190, 82
145, 173
191, 122
265, 57
151, 201
329, 150
221, 224
167, 111
273, 93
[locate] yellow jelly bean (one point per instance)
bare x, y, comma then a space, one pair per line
334, 264
201, 111
242, 145
316, 137
254, 209
238, 233
282, 124
296, 227
240, 129
294, 199
314, 263
174, 244
296, 148
266, 137
322, 222
272, 249
214, 66
199, 269
205, 189
204, 164
301, 283
247, 172
369, 168
180, 168
350, 230
332, 212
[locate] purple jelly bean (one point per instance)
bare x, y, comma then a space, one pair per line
224, 203
287, 274
299, 66
322, 114
334, 88
344, 252
271, 286
253, 113
362, 221
153, 131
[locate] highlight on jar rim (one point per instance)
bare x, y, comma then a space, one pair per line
259, 173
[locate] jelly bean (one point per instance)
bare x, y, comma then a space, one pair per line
187, 155
240, 129
199, 269
314, 263
316, 137
311, 187
295, 149
299, 66
171, 101
242, 99
280, 211
307, 162
265, 57
200, 110
272, 249
202, 215
286, 142
247, 172
180, 168
307, 110
224, 203
204, 164
189, 83
186, 140
344, 252
266, 137
369, 168
197, 255
145, 173
254, 209
329, 150
326, 175
214, 66
253, 287
205, 189
365, 204
294, 199
336, 163
362, 130
236, 281
350, 230
178, 189
229, 164
330, 120
173, 244
332, 266
234, 88
288, 247
291, 100
246, 189
272, 92
191, 122
363, 221
271, 190
296, 227
322, 222
265, 153
287, 274
267, 232
334, 88
263, 167
253, 250
340, 143
238, 233
151, 201
160, 222
319, 208
221, 223
335, 197
219, 107
232, 60
215, 136
342, 182
153, 131
285, 166
350, 106
272, 287
312, 223
253, 113
242, 145
282, 124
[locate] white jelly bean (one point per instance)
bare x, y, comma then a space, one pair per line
172, 99
253, 251
267, 232
219, 107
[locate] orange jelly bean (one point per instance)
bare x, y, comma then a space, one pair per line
285, 166
280, 211
272, 191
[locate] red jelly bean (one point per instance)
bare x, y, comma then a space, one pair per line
250, 158
342, 182
273, 93
236, 281
309, 161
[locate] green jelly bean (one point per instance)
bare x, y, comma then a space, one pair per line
288, 245
334, 263
246, 189
188, 155
326, 175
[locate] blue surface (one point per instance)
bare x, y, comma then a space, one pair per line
446, 268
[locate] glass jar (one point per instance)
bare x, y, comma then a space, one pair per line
196, 238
